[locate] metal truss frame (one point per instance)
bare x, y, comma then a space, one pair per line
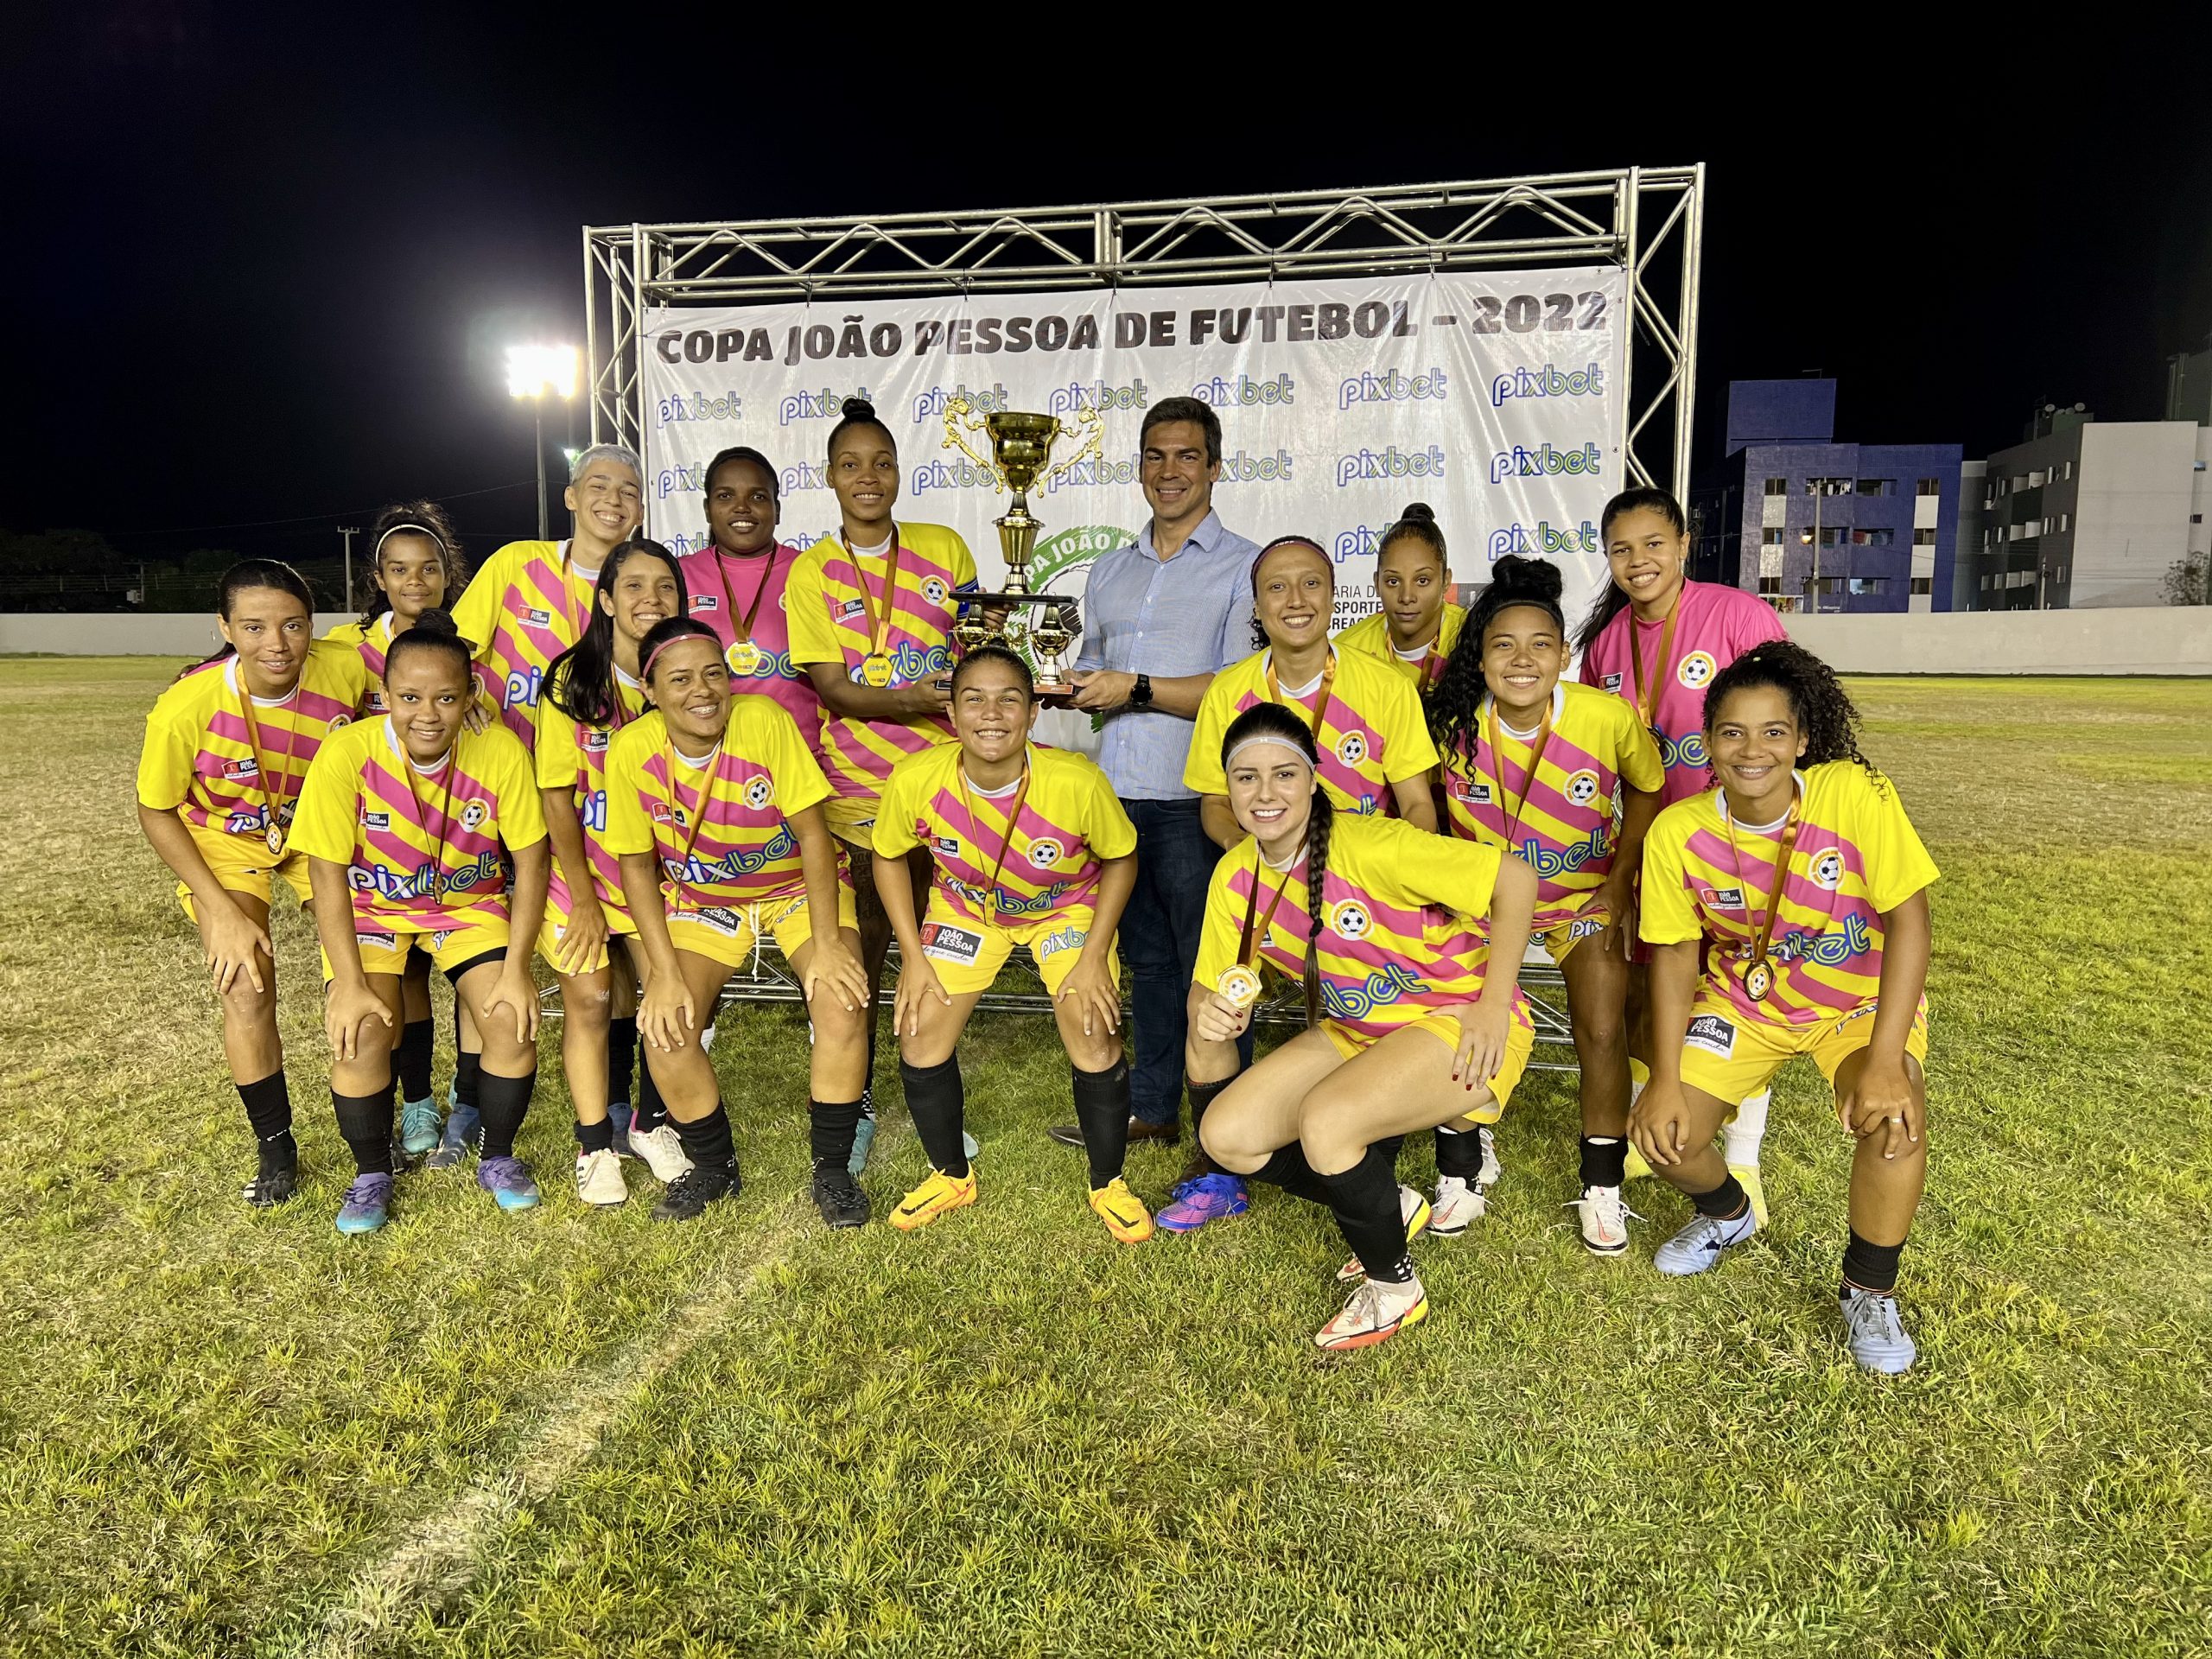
1649, 221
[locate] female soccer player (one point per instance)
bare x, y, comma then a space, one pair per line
737, 583
591, 690
408, 823
531, 599
415, 561
1805, 878
714, 810
226, 749
1659, 640
870, 611
1031, 847
1531, 764
1385, 924
1418, 625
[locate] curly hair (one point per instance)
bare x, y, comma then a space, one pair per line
1825, 714
1454, 702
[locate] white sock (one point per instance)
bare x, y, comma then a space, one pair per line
1740, 1138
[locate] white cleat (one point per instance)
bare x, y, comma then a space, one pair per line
1604, 1219
1459, 1204
663, 1151
598, 1178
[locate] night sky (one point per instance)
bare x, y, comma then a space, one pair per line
261, 273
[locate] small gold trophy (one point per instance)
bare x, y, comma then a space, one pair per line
1021, 450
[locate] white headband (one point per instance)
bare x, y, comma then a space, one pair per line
1243, 744
407, 527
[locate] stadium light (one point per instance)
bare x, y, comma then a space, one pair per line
535, 373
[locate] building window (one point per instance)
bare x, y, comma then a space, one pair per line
2195, 517
1877, 486
2066, 469
1769, 586
1923, 585
1873, 538
1769, 560
1771, 536
1923, 537
2065, 522
1868, 584
1777, 487
1929, 487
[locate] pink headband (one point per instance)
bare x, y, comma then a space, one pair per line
645, 666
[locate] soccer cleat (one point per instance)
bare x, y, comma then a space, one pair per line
508, 1180
662, 1150
932, 1199
621, 1116
1700, 1246
419, 1127
1416, 1210
368, 1204
1208, 1198
464, 1133
695, 1188
1459, 1204
839, 1197
1125, 1218
1604, 1219
863, 1135
1491, 1172
277, 1178
598, 1178
1876, 1335
1754, 1189
1376, 1312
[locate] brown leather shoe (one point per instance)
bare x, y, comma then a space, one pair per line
1168, 1134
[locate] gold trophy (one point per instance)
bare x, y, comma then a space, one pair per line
1021, 451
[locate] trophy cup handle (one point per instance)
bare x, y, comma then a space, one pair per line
958, 413
1090, 427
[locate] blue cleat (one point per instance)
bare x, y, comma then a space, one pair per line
367, 1206
1195, 1203
464, 1133
1876, 1335
508, 1180
1700, 1246
419, 1126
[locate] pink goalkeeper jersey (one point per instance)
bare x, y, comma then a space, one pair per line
715, 582
1716, 625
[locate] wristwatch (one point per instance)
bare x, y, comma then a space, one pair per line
1141, 693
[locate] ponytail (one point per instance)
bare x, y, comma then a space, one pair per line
1614, 598
1319, 825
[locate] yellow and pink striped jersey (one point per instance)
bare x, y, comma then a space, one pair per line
1405, 912
827, 609
1857, 856
1372, 732
524, 608
1562, 820
573, 756
1371, 636
723, 589
1069, 821
720, 829
197, 758
371, 641
425, 848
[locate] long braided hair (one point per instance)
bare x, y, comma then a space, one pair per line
1279, 725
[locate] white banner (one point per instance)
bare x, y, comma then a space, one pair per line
1495, 398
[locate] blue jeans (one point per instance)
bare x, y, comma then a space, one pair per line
1160, 941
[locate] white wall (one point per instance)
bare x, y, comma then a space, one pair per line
124, 634
2132, 523
2173, 639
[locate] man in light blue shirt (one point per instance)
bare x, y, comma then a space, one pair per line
1161, 616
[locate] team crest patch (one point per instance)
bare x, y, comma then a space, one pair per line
1697, 669
759, 790
472, 814
1714, 1034
942, 941
1046, 853
1582, 787
1350, 920
1351, 748
935, 591
339, 721
1828, 869
1722, 898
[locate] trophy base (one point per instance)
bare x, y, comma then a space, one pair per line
1057, 696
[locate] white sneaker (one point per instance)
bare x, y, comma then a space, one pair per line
1604, 1220
663, 1151
1460, 1206
598, 1178
1492, 1170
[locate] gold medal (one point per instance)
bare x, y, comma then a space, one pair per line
275, 840
1758, 980
744, 657
875, 670
1239, 986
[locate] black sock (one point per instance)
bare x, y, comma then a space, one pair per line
412, 1058
1725, 1203
707, 1142
1102, 1106
468, 1078
1365, 1199
829, 1126
1288, 1170
596, 1137
1203, 1095
1459, 1153
652, 1110
365, 1121
621, 1059
1871, 1266
1605, 1160
269, 1108
938, 1102
504, 1102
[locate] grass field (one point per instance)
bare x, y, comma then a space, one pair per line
228, 1431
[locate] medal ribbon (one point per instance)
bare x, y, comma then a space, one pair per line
273, 796
1320, 707
1647, 703
742, 630
975, 828
1255, 924
1528, 781
423, 813
1764, 932
699, 813
879, 629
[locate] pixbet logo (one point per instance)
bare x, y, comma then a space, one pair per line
1243, 392
1543, 462
826, 405
1548, 380
1392, 387
1390, 463
698, 406
930, 403
1099, 395
1542, 538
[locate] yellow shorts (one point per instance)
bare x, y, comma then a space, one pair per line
1731, 1058
244, 864
852, 818
384, 948
1520, 1039
729, 933
619, 926
1587, 923
967, 954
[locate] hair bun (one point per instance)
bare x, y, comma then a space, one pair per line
1539, 579
857, 409
1418, 513
437, 620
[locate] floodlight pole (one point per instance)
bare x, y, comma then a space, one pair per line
349, 532
538, 413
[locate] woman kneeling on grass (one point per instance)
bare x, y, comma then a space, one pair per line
1385, 924
713, 807
1032, 848
409, 822
226, 748
1811, 887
